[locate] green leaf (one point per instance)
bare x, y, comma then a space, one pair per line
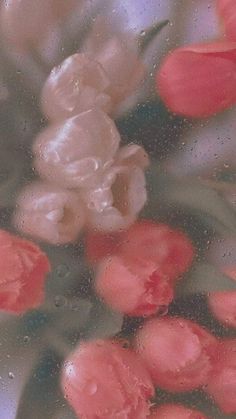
205, 278
190, 195
104, 322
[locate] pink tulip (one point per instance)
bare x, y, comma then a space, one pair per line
74, 153
222, 380
78, 84
23, 271
223, 304
120, 193
137, 290
176, 352
227, 11
101, 379
118, 55
199, 80
175, 411
49, 213
167, 248
26, 23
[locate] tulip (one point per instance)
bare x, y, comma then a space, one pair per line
49, 213
120, 193
104, 380
76, 85
23, 271
176, 352
74, 152
227, 11
199, 80
223, 304
167, 248
136, 290
118, 55
222, 380
175, 411
26, 23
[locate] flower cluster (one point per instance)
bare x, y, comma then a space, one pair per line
187, 73
86, 177
104, 379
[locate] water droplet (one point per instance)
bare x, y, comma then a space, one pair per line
59, 301
26, 339
62, 270
75, 305
11, 375
142, 33
91, 388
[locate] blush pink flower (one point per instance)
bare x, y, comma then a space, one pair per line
118, 55
227, 11
169, 249
26, 23
73, 153
101, 379
222, 380
23, 271
199, 80
78, 84
136, 290
49, 213
223, 304
176, 352
120, 194
175, 411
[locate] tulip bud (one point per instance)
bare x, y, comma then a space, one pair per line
23, 271
49, 213
104, 380
176, 352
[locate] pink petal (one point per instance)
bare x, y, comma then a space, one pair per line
227, 10
176, 364
199, 80
76, 85
49, 213
23, 270
102, 379
138, 291
176, 411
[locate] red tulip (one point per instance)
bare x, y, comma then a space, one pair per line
170, 250
223, 304
199, 80
23, 270
176, 352
222, 380
175, 411
136, 290
101, 379
227, 10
